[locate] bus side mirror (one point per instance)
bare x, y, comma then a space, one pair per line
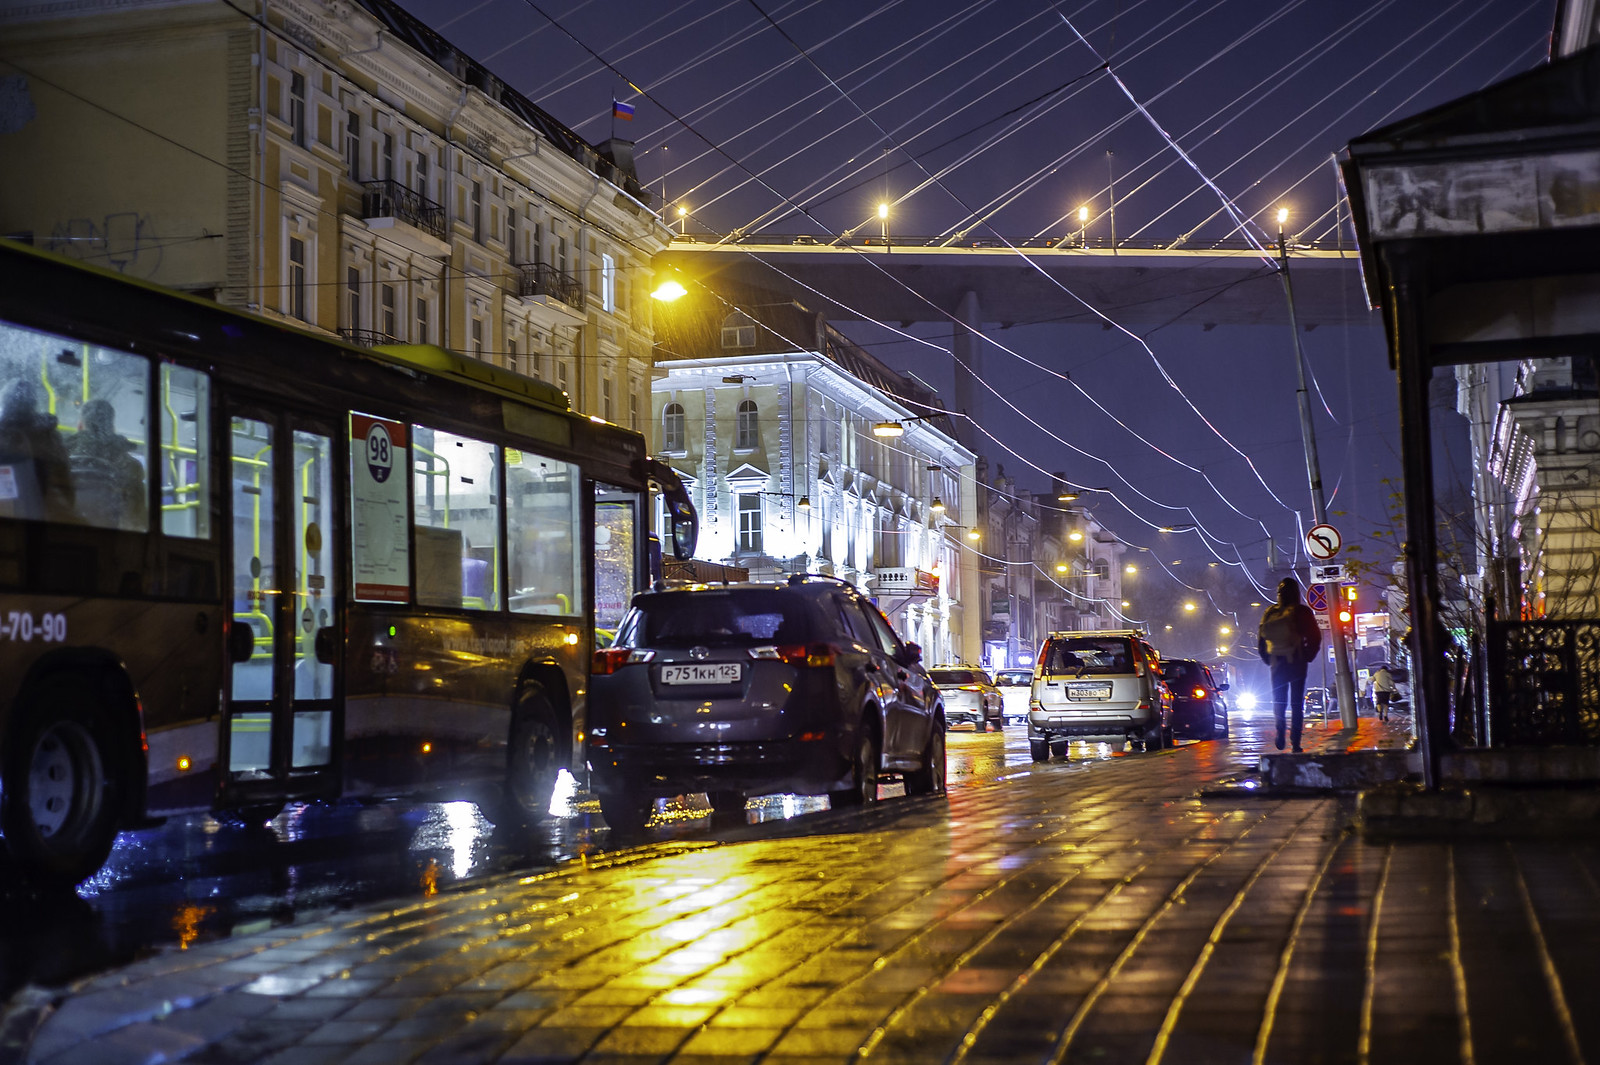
241, 641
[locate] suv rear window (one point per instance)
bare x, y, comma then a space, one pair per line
717, 619
1014, 677
953, 676
1085, 656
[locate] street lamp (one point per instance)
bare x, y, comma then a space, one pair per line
937, 506
883, 220
1130, 569
1188, 608
1083, 226
683, 219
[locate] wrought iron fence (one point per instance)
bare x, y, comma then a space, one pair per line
390, 199
542, 279
1544, 682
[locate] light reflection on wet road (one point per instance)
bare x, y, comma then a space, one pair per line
196, 879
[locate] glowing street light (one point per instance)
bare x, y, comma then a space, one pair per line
683, 219
1083, 226
1189, 607
883, 219
1130, 569
1225, 631
668, 291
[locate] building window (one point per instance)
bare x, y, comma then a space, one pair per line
672, 428
387, 311
511, 232
477, 211
608, 283
750, 522
607, 405
561, 376
477, 338
748, 429
561, 254
738, 331
537, 250
422, 320
388, 157
353, 287
352, 145
297, 279
297, 109
422, 172
633, 409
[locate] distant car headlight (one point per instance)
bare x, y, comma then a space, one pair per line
1247, 701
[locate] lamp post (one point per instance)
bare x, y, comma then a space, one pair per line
1083, 227
883, 220
683, 219
1341, 662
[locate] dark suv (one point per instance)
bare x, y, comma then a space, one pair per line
1198, 709
757, 689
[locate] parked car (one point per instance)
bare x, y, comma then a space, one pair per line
970, 697
1199, 710
1319, 703
1102, 686
756, 689
1016, 688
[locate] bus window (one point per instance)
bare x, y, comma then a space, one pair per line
73, 434
542, 523
184, 413
456, 520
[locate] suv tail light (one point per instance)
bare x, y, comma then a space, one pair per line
816, 655
614, 658
1199, 693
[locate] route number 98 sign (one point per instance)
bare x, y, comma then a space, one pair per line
380, 555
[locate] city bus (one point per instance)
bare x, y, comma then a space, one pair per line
244, 564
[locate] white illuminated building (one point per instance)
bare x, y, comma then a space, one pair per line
776, 441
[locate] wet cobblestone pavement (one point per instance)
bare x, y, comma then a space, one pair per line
1090, 912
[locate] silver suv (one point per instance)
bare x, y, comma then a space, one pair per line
1100, 686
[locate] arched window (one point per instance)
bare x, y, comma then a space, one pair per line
672, 428
748, 428
738, 331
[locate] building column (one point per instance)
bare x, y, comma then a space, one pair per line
964, 345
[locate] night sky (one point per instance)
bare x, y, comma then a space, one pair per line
993, 119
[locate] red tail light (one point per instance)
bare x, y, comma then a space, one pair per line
614, 658
1199, 693
803, 654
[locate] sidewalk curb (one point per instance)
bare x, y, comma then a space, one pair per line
1406, 810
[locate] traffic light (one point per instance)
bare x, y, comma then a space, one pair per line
1347, 612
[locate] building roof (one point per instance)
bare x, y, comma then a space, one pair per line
411, 31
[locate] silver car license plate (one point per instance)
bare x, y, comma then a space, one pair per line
703, 673
1088, 691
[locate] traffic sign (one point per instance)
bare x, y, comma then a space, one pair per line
1328, 573
1323, 541
1317, 598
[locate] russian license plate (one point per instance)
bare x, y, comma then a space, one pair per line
703, 673
1088, 691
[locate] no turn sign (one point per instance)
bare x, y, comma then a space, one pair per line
1323, 542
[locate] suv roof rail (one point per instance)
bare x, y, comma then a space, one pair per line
801, 578
1097, 632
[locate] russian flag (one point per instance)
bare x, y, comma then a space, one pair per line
621, 110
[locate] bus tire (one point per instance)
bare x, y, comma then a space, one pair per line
533, 755
63, 783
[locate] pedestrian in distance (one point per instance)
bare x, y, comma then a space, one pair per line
1287, 641
1383, 689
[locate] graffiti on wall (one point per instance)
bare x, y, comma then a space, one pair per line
123, 241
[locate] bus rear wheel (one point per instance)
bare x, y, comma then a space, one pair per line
533, 756
62, 789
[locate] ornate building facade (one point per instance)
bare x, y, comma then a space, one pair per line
336, 164
768, 413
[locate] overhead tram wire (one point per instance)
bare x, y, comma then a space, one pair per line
1065, 289
877, 67
1040, 270
533, 5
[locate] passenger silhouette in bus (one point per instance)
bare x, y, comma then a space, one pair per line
35, 478
108, 480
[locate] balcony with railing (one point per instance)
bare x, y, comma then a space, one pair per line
366, 338
410, 218
540, 282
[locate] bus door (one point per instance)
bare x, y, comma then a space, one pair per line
618, 557
284, 722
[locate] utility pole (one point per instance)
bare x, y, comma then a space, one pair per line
1341, 660
1111, 190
